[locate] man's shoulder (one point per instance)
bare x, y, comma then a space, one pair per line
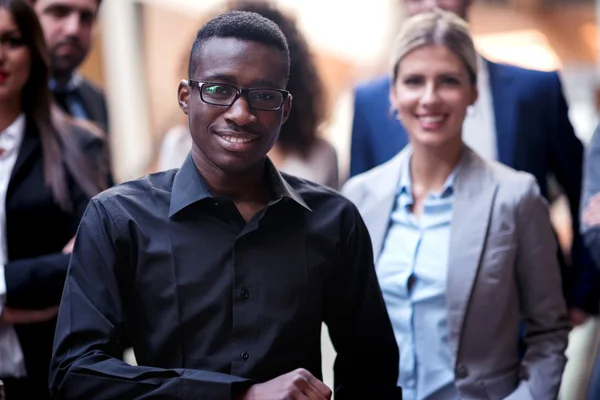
374, 87
86, 84
528, 78
138, 191
318, 198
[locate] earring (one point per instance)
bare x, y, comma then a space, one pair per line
471, 111
395, 114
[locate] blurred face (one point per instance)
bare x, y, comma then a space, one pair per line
15, 59
459, 7
236, 138
68, 27
431, 94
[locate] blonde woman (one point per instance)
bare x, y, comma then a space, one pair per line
463, 247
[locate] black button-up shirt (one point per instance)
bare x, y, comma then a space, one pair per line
211, 303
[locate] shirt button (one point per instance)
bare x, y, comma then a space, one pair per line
244, 294
461, 372
244, 355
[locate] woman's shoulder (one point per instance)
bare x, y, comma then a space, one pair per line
518, 185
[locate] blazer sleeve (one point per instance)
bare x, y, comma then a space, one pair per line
35, 283
541, 299
566, 163
361, 153
591, 187
91, 328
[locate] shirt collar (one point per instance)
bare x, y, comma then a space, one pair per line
189, 187
11, 137
73, 84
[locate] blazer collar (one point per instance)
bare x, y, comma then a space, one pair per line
476, 188
29, 142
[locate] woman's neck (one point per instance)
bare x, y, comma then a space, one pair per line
429, 169
9, 112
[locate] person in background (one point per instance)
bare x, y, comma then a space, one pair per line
299, 149
222, 272
590, 218
590, 227
463, 246
521, 120
50, 166
68, 27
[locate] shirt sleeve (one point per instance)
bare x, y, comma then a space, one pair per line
367, 360
90, 329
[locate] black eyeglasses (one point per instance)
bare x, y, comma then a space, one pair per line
220, 94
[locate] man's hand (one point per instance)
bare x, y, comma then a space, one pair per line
13, 316
591, 213
295, 385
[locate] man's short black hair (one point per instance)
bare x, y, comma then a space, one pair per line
242, 25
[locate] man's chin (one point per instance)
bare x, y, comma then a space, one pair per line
236, 164
63, 66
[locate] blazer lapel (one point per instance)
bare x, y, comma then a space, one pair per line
505, 108
475, 189
382, 195
92, 103
29, 144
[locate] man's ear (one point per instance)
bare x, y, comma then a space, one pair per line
183, 95
287, 108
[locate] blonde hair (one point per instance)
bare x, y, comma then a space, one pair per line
436, 27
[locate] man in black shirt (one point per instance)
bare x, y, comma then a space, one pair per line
221, 273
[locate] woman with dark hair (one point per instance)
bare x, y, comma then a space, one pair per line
50, 166
299, 150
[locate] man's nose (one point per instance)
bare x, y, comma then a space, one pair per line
72, 24
240, 112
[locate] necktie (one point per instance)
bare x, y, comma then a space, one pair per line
70, 102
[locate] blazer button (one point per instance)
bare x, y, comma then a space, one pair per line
244, 355
461, 371
244, 294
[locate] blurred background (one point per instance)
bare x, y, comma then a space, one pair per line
141, 50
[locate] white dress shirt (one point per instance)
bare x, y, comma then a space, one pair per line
479, 128
12, 364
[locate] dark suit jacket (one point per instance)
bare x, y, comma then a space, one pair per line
95, 104
37, 230
533, 134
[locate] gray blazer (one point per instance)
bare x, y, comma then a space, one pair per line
502, 265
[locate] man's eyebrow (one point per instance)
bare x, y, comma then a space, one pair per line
220, 78
232, 80
265, 83
66, 8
